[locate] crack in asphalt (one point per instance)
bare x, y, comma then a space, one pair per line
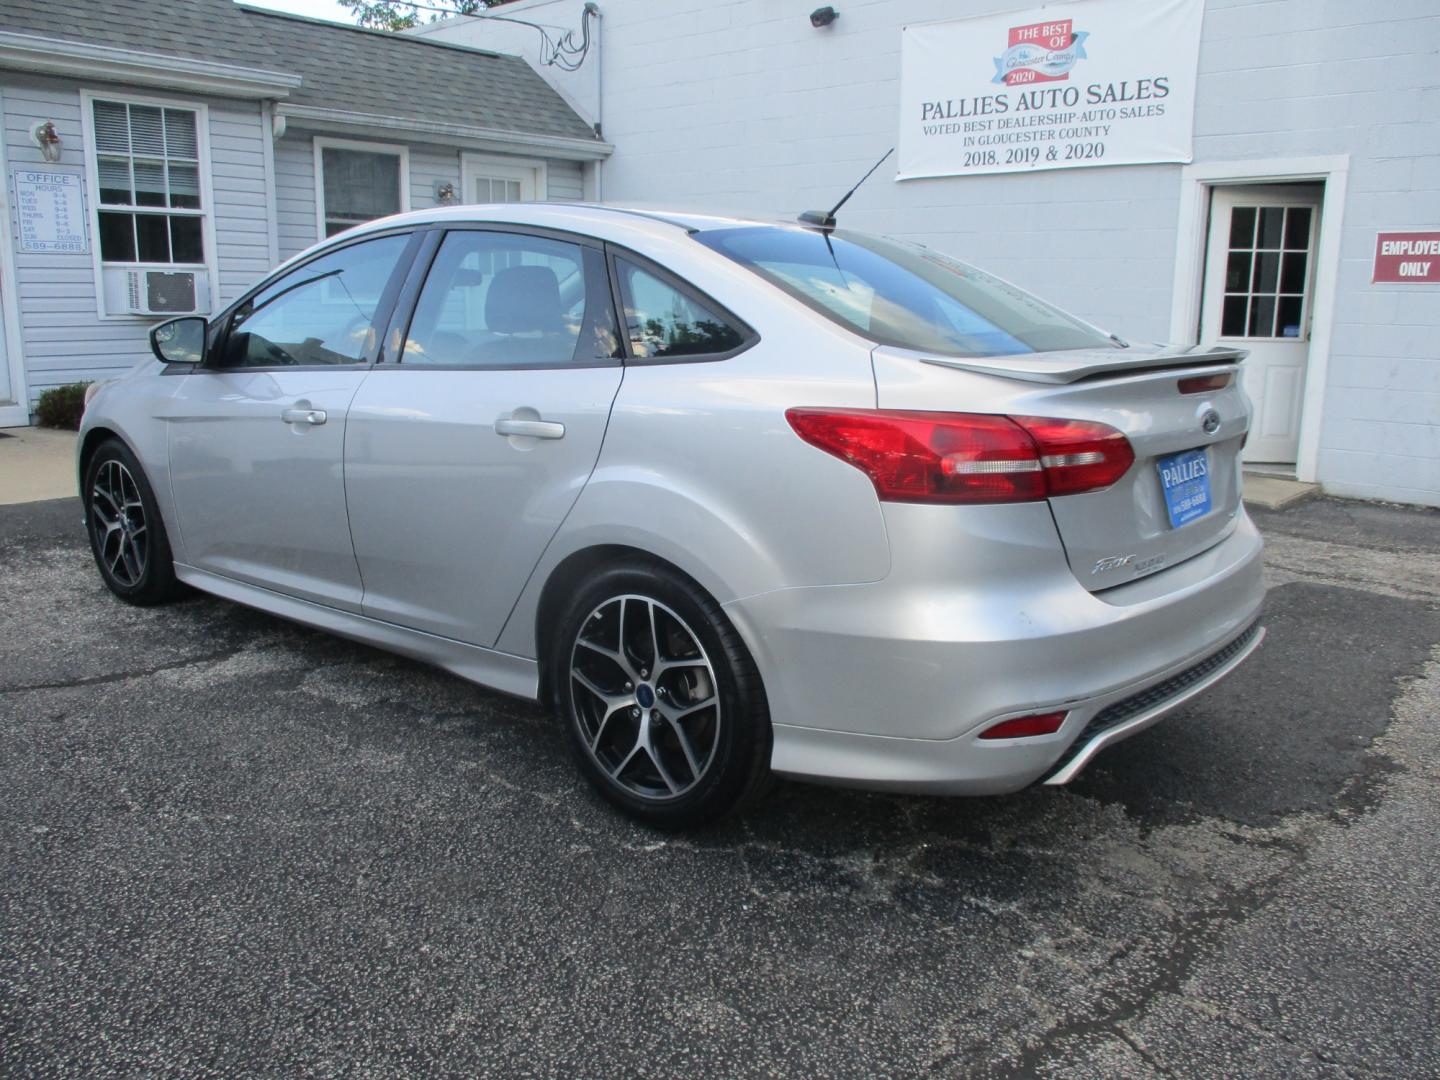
124, 676
1192, 934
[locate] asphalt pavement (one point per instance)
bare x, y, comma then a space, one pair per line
233, 846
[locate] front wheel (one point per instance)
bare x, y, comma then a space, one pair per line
662, 700
126, 534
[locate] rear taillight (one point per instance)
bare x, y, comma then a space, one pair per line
1204, 384
1025, 727
934, 457
1078, 455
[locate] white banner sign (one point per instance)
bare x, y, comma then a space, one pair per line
49, 212
1098, 82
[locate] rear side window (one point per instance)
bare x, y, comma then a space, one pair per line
661, 321
498, 299
896, 294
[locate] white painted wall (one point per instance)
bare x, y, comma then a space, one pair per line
742, 105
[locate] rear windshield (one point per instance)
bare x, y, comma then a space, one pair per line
896, 294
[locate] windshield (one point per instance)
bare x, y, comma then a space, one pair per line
898, 294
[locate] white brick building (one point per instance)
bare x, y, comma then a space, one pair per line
1324, 104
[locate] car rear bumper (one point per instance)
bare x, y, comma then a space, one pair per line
889, 685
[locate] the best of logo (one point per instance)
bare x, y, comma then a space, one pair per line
1040, 52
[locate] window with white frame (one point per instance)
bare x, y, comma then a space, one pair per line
495, 179
147, 160
358, 184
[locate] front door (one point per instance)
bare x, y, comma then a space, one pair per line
1259, 290
257, 436
463, 458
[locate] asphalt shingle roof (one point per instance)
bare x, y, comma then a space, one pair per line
398, 75
345, 68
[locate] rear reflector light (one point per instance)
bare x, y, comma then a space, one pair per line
1203, 384
935, 457
1022, 727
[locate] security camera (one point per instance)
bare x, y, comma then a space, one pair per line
823, 16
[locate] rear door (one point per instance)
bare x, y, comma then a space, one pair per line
468, 448
257, 435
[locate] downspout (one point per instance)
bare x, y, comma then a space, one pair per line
593, 9
273, 124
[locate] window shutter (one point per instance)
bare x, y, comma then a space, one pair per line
180, 140
185, 186
114, 181
150, 183
147, 136
112, 129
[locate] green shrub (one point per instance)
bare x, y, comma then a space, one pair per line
62, 406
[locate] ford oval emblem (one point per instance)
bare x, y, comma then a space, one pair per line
1210, 422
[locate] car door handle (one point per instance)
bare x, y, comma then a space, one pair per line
535, 429
303, 416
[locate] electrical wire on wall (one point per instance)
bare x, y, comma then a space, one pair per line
559, 47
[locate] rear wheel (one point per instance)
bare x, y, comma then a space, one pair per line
126, 534
663, 703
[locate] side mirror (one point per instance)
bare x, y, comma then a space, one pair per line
180, 341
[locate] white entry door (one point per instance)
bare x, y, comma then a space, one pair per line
1259, 287
501, 180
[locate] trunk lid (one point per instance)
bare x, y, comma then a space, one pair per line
1125, 531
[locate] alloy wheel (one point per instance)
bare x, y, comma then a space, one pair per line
645, 697
117, 523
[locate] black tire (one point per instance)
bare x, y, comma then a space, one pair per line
701, 651
127, 536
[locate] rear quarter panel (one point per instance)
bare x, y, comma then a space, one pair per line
700, 467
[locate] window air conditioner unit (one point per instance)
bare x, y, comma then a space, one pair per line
133, 291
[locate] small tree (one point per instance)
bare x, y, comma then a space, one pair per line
399, 15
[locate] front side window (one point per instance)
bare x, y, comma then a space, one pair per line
662, 321
147, 159
495, 299
321, 313
358, 186
896, 294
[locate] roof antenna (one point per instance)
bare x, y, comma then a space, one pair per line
827, 221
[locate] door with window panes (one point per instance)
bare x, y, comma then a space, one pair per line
490, 180
1259, 289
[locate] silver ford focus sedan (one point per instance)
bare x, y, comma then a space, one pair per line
734, 498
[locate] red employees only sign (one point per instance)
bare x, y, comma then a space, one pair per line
1407, 258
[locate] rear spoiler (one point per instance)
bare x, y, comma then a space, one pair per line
1078, 364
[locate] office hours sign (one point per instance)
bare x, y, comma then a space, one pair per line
49, 212
1098, 82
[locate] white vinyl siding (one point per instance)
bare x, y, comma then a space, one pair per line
61, 337
431, 165
565, 181
296, 200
